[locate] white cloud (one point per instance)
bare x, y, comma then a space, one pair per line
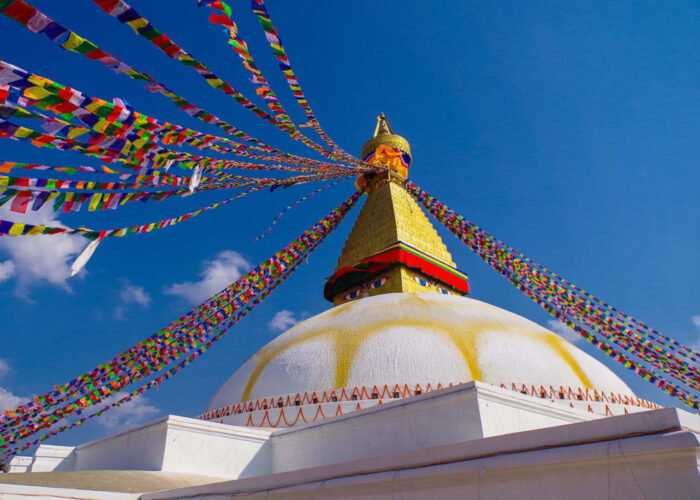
563, 331
131, 294
282, 320
695, 346
7, 270
217, 274
696, 321
134, 294
9, 400
127, 415
39, 259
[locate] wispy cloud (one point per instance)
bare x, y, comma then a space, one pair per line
696, 323
131, 294
134, 294
127, 415
7, 398
216, 275
282, 320
563, 331
7, 270
36, 260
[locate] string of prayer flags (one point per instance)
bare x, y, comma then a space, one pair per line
38, 22
120, 151
111, 119
7, 166
289, 207
126, 14
151, 384
69, 202
22, 200
264, 90
664, 363
273, 38
170, 349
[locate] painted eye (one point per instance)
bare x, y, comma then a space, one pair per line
443, 291
353, 294
378, 283
421, 281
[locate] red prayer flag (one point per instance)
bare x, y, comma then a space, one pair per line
21, 202
107, 5
220, 19
20, 11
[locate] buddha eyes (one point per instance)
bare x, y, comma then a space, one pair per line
421, 281
377, 283
372, 285
428, 284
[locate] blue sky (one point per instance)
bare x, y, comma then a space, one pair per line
568, 130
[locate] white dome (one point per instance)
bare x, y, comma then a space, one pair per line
408, 338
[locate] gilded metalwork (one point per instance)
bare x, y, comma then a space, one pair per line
383, 134
390, 215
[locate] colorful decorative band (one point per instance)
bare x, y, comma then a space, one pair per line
362, 393
398, 253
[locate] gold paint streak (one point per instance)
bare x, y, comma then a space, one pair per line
265, 355
557, 345
348, 340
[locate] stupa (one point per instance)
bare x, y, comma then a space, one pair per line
401, 325
404, 388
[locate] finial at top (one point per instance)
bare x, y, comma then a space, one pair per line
383, 126
387, 149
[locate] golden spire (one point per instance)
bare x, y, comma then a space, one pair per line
387, 149
392, 247
383, 126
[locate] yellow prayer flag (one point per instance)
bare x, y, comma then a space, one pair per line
23, 132
36, 93
215, 82
72, 42
36, 230
94, 200
16, 229
93, 107
137, 23
76, 131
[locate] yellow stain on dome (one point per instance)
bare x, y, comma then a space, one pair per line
347, 342
558, 345
346, 347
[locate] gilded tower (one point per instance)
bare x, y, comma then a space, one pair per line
392, 247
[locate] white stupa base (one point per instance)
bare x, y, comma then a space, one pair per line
468, 441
